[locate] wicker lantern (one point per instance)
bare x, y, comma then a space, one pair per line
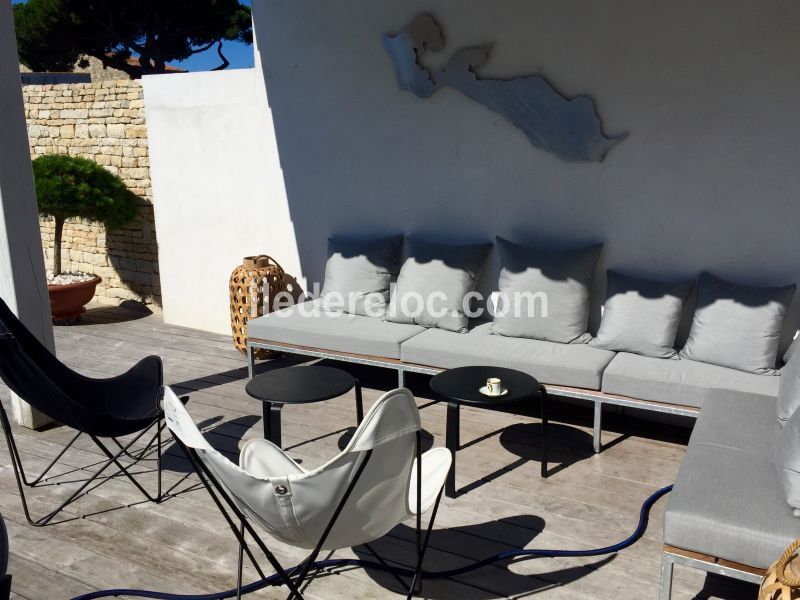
782, 580
253, 286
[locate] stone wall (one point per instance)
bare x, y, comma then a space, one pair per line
102, 121
95, 68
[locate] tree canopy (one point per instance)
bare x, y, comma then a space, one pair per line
52, 35
70, 186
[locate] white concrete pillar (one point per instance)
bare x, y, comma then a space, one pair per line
22, 273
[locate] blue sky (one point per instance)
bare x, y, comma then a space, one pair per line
240, 55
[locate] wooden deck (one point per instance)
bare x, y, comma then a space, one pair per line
113, 540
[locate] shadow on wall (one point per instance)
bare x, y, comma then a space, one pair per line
133, 255
293, 288
359, 156
125, 258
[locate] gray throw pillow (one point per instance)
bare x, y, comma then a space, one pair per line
433, 283
641, 316
737, 326
358, 275
789, 390
787, 461
544, 294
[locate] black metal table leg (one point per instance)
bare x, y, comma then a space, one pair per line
543, 399
265, 420
452, 436
272, 422
359, 402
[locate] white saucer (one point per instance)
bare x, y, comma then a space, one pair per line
485, 392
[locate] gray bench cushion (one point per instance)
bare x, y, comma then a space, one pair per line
682, 381
727, 501
739, 421
575, 365
355, 334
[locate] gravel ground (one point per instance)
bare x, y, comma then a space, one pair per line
67, 278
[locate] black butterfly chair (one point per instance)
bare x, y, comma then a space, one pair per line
100, 408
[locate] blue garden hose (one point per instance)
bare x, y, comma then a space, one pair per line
644, 513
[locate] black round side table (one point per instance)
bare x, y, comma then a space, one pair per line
299, 385
462, 386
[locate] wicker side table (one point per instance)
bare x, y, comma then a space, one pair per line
782, 579
253, 285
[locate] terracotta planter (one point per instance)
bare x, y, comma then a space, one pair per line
68, 301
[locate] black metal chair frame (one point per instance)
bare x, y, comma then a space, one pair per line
303, 570
5, 577
111, 459
110, 408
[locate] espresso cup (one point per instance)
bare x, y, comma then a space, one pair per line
493, 386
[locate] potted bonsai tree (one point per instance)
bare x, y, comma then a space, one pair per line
67, 187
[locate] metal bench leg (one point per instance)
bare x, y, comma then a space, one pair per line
401, 378
544, 401
250, 361
667, 565
597, 433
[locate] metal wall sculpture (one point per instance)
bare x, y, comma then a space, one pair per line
568, 128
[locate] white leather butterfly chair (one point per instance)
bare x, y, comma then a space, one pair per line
356, 497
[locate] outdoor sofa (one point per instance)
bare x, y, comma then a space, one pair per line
728, 512
571, 370
575, 370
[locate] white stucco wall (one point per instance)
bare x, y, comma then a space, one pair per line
707, 179
217, 188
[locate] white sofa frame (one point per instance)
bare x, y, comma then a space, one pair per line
672, 556
598, 398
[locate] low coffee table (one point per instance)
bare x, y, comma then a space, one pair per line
299, 385
461, 386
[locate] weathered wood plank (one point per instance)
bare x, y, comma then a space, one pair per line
183, 545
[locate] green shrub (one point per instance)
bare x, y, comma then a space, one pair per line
69, 186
